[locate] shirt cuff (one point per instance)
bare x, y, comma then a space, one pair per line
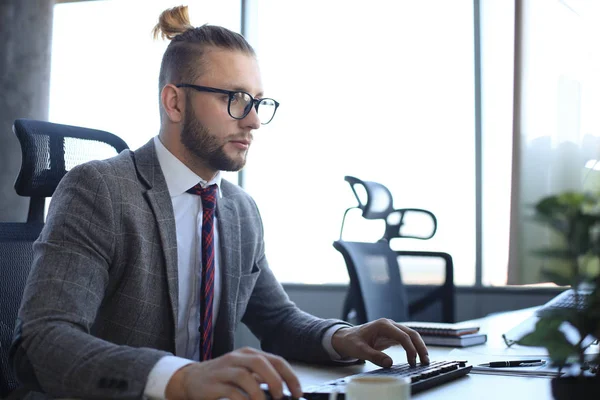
328, 346
161, 374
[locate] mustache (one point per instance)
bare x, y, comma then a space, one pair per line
241, 137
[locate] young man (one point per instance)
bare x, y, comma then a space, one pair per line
137, 288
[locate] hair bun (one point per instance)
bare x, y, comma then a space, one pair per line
172, 22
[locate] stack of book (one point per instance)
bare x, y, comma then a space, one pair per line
452, 335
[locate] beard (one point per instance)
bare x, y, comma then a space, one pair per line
198, 140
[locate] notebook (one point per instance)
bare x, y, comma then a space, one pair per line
466, 340
441, 328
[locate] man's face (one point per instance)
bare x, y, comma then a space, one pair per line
213, 139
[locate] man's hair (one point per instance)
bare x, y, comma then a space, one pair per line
183, 60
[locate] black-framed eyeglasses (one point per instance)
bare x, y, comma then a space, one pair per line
240, 103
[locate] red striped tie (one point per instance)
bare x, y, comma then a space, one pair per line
208, 196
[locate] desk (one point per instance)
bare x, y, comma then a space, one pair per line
472, 386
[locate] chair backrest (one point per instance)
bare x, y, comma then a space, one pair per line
15, 259
376, 286
48, 151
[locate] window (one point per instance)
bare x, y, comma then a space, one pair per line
380, 90
105, 63
497, 65
559, 140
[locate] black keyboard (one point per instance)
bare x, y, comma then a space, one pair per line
421, 376
567, 299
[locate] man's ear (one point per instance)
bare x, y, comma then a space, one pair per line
173, 102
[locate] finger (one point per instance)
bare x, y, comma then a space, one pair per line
258, 378
242, 379
285, 371
365, 352
418, 342
222, 391
278, 369
198, 384
282, 369
258, 364
395, 331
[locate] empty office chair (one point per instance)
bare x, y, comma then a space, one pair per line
376, 288
48, 151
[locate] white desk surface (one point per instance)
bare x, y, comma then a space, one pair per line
472, 386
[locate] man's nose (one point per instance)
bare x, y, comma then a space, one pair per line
251, 120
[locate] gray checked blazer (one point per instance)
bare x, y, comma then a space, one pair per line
100, 305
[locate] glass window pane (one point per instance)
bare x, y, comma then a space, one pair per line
105, 62
380, 90
497, 65
559, 131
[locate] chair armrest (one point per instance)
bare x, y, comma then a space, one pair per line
444, 294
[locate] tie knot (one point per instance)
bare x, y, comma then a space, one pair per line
208, 195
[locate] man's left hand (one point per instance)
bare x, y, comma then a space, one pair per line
367, 341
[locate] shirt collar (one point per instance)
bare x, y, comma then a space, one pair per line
178, 176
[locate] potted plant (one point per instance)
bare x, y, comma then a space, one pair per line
574, 219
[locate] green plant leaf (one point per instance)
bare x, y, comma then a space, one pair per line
560, 205
561, 277
563, 254
548, 335
573, 260
579, 319
561, 226
571, 199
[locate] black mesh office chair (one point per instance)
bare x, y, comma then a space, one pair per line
15, 258
376, 288
48, 151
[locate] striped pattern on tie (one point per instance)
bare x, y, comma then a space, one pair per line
208, 196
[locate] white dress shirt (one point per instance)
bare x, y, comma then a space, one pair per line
179, 179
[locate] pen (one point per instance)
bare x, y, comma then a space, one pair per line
518, 363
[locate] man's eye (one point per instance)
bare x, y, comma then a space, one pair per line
240, 98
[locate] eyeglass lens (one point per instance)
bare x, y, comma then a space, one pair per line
240, 104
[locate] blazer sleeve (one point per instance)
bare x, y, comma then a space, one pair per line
53, 346
277, 322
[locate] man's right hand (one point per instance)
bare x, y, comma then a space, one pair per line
236, 376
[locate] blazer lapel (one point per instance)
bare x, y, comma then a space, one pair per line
159, 200
229, 239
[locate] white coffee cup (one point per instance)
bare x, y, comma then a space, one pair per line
362, 387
